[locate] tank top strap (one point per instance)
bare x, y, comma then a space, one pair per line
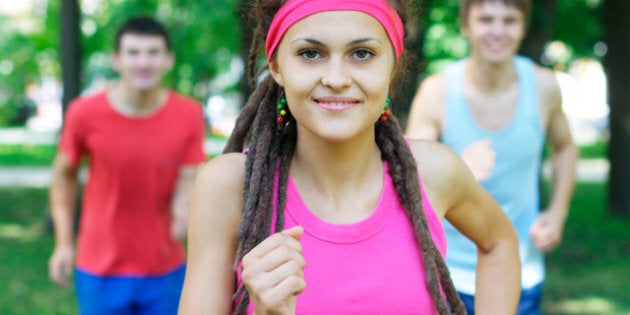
455, 94
528, 96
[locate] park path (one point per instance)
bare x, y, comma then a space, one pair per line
592, 170
27, 176
39, 176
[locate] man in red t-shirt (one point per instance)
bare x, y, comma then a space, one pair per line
143, 143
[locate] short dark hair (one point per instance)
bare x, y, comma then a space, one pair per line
525, 6
143, 25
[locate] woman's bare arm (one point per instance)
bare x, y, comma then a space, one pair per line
215, 215
456, 195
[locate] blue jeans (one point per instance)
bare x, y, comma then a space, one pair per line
529, 304
121, 295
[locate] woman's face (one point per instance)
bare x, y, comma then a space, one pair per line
335, 68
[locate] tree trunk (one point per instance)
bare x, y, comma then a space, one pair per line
617, 37
540, 29
70, 51
71, 73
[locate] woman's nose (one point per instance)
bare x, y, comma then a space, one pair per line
336, 75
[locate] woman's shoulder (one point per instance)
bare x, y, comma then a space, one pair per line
222, 178
227, 169
430, 154
442, 172
217, 196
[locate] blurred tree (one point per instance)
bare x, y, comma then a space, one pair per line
70, 50
579, 26
204, 34
205, 38
27, 57
540, 31
551, 20
207, 42
617, 24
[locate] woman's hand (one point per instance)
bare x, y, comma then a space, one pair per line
273, 272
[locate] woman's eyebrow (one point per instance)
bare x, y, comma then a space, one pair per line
363, 40
309, 40
351, 43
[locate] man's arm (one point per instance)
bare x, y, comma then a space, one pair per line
63, 195
181, 201
427, 109
547, 231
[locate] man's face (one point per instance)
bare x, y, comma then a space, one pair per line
494, 30
142, 60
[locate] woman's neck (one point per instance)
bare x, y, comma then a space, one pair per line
337, 166
339, 182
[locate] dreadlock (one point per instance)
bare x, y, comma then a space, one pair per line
270, 151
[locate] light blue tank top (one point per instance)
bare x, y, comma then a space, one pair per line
514, 181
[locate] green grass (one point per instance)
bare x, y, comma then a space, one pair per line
43, 155
593, 150
587, 274
26, 155
25, 247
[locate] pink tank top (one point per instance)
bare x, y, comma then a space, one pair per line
373, 266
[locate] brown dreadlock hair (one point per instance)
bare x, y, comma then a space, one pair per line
272, 147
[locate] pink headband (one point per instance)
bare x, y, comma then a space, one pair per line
295, 10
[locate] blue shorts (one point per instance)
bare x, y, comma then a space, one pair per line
123, 295
529, 304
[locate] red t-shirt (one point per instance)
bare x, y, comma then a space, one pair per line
133, 166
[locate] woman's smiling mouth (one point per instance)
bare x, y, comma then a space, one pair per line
337, 104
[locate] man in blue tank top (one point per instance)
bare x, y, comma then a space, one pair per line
496, 109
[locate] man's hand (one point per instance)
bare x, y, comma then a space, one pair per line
546, 232
179, 226
61, 264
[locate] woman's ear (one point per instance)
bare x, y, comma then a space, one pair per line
275, 72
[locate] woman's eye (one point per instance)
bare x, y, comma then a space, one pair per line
310, 54
363, 54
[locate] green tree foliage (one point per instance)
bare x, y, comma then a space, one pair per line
580, 26
204, 35
207, 38
577, 25
27, 54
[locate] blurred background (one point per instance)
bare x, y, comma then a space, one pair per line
53, 51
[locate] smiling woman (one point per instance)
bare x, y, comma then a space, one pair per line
334, 82
321, 196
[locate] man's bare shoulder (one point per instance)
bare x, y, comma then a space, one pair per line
427, 109
548, 88
434, 86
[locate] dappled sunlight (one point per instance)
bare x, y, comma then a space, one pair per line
20, 232
587, 305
